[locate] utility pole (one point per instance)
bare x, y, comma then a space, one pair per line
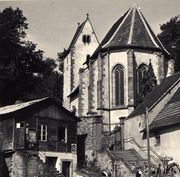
148, 143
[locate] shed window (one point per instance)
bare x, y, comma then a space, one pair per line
118, 74
62, 134
42, 135
158, 140
20, 125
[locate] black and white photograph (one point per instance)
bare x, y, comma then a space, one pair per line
90, 88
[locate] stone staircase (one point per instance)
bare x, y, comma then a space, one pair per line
155, 158
131, 157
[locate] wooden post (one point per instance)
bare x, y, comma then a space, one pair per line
148, 143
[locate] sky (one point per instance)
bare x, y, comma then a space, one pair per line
52, 23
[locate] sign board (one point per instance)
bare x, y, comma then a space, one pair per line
32, 138
73, 148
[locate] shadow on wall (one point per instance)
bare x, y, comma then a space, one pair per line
3, 166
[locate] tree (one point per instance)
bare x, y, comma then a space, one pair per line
24, 71
148, 83
170, 37
50, 84
61, 57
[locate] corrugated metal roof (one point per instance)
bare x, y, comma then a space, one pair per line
15, 107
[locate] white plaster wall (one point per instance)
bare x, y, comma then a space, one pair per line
132, 128
116, 114
61, 156
82, 50
169, 146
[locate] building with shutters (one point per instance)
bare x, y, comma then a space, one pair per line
37, 138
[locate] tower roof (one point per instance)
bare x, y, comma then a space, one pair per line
131, 31
79, 30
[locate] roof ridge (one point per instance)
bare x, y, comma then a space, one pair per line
132, 25
93, 29
118, 27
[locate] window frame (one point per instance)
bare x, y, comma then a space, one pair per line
86, 39
118, 94
142, 68
65, 134
40, 133
157, 140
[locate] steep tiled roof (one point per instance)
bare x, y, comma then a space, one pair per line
131, 30
74, 39
169, 115
74, 92
77, 33
156, 94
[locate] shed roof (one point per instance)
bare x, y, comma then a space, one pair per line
15, 107
131, 31
24, 106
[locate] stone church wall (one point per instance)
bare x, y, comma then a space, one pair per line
83, 92
93, 77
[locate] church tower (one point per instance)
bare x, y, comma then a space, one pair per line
80, 49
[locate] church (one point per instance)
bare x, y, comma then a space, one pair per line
102, 81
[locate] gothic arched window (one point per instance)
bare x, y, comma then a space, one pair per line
118, 74
141, 72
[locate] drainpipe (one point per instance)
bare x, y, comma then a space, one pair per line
121, 119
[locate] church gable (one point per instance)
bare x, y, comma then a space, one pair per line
84, 34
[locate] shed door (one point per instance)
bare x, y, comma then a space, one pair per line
19, 137
66, 168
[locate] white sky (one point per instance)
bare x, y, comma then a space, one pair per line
52, 23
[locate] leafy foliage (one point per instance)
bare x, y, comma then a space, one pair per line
148, 83
61, 57
170, 37
24, 71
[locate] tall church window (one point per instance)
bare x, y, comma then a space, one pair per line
141, 72
118, 73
